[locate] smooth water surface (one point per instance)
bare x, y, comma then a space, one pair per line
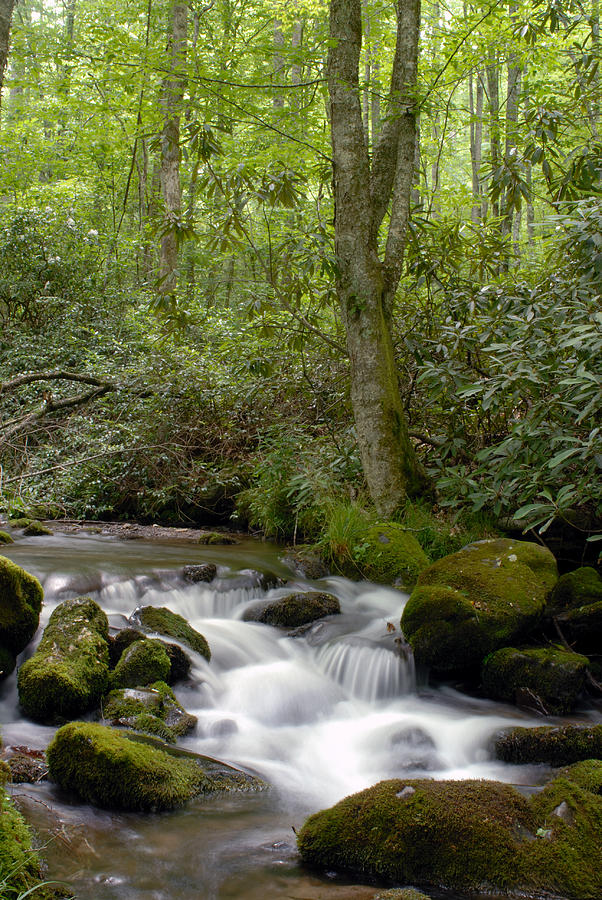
319, 716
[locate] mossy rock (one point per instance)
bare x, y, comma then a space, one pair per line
582, 627
294, 609
119, 642
401, 894
118, 770
8, 661
203, 572
68, 673
581, 587
152, 710
26, 768
472, 602
547, 679
142, 663
214, 538
587, 774
467, 836
163, 621
20, 522
388, 554
556, 745
5, 538
36, 529
180, 663
21, 598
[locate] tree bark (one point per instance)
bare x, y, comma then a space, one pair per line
170, 148
494, 120
476, 144
6, 17
366, 285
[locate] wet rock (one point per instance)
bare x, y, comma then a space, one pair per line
305, 562
153, 710
5, 538
216, 538
199, 573
121, 641
163, 621
20, 603
557, 745
120, 770
472, 602
36, 529
26, 766
582, 627
69, 671
8, 661
142, 663
463, 835
547, 680
294, 610
180, 663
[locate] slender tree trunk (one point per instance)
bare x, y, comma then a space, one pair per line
170, 147
6, 17
278, 100
494, 121
365, 285
476, 144
509, 202
596, 53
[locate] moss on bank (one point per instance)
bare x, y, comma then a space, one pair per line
556, 745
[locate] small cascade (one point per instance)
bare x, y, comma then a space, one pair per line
366, 670
198, 601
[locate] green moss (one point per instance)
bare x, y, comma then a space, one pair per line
401, 894
19, 864
549, 677
106, 768
164, 621
486, 596
581, 587
20, 603
473, 836
36, 529
5, 538
21, 522
120, 770
557, 745
296, 609
214, 537
388, 554
141, 663
153, 710
68, 673
582, 626
587, 774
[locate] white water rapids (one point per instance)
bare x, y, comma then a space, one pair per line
319, 715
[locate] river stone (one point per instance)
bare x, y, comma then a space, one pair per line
153, 710
547, 680
200, 573
142, 663
36, 529
575, 589
472, 602
180, 663
294, 610
119, 770
163, 621
463, 836
20, 604
68, 673
6, 538
556, 745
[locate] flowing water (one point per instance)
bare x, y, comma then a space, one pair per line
319, 716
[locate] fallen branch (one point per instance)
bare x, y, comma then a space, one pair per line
55, 375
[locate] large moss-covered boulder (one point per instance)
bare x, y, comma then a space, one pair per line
142, 663
388, 554
36, 529
464, 836
151, 710
582, 627
21, 598
472, 602
294, 610
556, 745
163, 621
547, 680
117, 770
68, 673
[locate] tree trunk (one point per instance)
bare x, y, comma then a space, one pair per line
476, 144
365, 284
494, 120
6, 17
170, 148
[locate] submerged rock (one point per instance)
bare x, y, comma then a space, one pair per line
68, 673
163, 621
557, 745
294, 610
547, 680
152, 710
21, 598
36, 529
474, 601
464, 836
119, 770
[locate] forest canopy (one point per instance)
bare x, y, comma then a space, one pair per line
188, 332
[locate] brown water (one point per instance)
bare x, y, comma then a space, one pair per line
318, 717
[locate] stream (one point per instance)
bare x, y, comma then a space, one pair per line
318, 716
